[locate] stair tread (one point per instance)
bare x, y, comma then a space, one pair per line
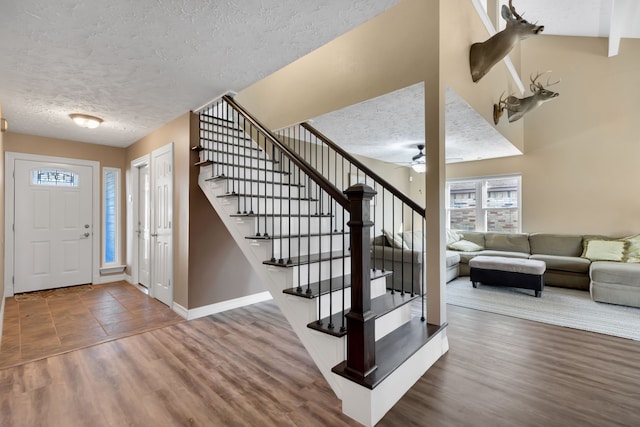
251, 215
252, 167
323, 287
295, 236
257, 181
393, 350
246, 156
304, 199
305, 259
203, 163
380, 306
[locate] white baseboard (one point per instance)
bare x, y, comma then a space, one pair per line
219, 307
110, 278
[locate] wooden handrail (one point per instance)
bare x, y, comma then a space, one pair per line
317, 177
393, 190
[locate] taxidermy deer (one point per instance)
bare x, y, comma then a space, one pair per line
483, 56
516, 107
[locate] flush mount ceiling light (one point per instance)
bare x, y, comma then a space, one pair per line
419, 167
86, 121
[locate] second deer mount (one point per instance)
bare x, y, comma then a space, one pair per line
518, 107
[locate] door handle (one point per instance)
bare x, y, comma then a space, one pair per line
85, 236
154, 234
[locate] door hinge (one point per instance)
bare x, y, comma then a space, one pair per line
13, 281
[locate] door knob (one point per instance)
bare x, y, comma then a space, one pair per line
85, 236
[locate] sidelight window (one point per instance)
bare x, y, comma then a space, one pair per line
111, 216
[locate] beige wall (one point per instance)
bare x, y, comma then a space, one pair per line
176, 132
107, 156
579, 170
208, 265
1, 228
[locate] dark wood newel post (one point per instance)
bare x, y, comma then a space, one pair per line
361, 351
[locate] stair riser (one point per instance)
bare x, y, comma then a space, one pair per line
393, 320
213, 130
242, 161
288, 225
261, 189
251, 174
262, 206
286, 247
315, 272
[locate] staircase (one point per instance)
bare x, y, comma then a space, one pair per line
280, 198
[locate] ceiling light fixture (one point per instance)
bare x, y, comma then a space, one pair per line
86, 121
419, 167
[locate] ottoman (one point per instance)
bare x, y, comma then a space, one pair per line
512, 272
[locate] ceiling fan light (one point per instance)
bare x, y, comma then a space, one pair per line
419, 167
85, 120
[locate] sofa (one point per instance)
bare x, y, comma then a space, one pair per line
609, 268
398, 254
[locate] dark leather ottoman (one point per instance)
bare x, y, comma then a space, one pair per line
512, 272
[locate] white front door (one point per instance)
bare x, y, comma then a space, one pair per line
162, 224
144, 225
53, 225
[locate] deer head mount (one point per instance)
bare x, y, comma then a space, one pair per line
516, 107
484, 55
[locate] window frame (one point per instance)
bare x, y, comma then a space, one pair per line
481, 207
117, 220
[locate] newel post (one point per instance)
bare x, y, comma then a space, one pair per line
361, 351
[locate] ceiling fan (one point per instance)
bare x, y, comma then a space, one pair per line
418, 162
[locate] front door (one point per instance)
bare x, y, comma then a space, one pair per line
162, 224
53, 225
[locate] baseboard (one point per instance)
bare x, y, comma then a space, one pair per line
110, 278
1, 318
219, 307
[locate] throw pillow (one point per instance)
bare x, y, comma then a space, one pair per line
394, 241
606, 250
412, 239
465, 246
634, 248
453, 237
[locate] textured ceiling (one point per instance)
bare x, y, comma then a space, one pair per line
375, 129
139, 64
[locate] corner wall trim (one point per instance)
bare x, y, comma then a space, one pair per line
219, 307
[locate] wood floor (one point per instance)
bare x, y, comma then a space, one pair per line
246, 368
41, 324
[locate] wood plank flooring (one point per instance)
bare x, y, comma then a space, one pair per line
247, 368
41, 324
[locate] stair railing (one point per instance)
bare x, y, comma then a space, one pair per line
394, 214
253, 160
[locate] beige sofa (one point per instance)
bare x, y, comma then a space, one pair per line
573, 261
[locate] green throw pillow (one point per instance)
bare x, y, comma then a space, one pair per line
634, 248
606, 250
465, 246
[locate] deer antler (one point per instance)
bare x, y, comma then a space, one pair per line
504, 103
513, 10
535, 86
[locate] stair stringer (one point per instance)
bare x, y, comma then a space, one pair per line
325, 350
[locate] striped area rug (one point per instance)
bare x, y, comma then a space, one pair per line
557, 306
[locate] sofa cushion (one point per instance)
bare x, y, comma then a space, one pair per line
465, 246
634, 248
412, 238
606, 250
466, 256
564, 263
394, 241
510, 242
624, 274
476, 237
556, 244
453, 258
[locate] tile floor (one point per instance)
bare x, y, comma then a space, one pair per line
42, 327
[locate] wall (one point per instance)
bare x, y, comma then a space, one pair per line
208, 265
218, 270
1, 229
107, 156
176, 132
579, 170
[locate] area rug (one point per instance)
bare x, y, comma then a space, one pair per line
50, 293
557, 306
